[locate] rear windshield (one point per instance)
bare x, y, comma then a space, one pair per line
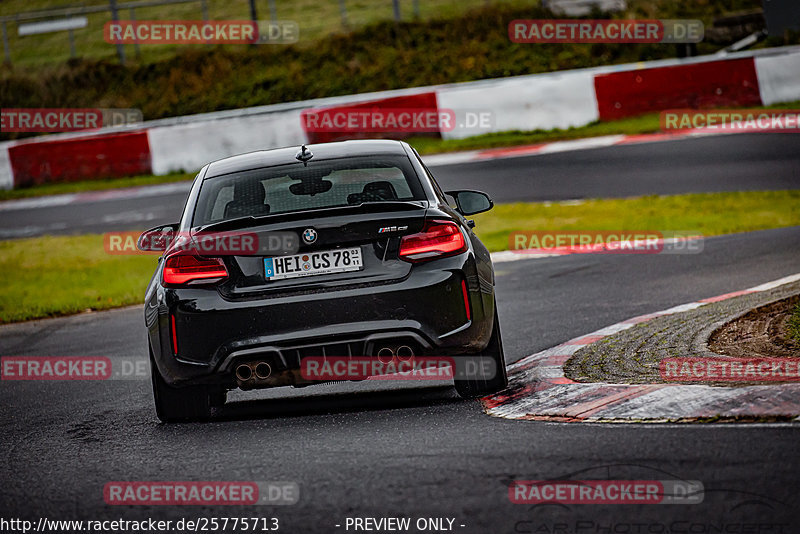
291, 188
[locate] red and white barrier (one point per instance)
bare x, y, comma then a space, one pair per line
82, 158
419, 103
541, 101
778, 78
723, 83
546, 101
6, 174
189, 146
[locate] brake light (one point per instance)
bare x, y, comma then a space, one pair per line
437, 239
186, 268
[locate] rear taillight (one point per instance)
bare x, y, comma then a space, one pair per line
437, 239
189, 269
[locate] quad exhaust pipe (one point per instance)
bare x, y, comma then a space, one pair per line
401, 352
252, 372
404, 353
257, 374
244, 372
263, 370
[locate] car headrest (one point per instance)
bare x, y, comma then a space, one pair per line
248, 199
383, 189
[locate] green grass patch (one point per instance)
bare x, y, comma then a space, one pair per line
51, 276
315, 18
708, 213
794, 324
92, 185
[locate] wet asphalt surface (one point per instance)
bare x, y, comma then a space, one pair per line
404, 449
400, 449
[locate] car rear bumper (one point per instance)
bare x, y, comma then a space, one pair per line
426, 311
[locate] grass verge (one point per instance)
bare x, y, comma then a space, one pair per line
709, 213
51, 276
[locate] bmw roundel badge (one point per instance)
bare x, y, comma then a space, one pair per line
309, 235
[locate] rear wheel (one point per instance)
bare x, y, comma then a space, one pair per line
190, 403
482, 380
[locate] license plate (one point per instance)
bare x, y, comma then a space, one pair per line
313, 263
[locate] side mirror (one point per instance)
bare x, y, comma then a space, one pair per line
157, 239
471, 202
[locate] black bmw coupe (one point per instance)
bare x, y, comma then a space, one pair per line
346, 249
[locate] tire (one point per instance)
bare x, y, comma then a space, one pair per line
478, 385
190, 403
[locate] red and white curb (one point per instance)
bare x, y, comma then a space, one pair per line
538, 389
541, 149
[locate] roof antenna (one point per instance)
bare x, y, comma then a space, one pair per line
304, 155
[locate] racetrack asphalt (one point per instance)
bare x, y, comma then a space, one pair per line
392, 450
740, 162
417, 450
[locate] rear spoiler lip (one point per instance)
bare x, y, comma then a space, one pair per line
279, 218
